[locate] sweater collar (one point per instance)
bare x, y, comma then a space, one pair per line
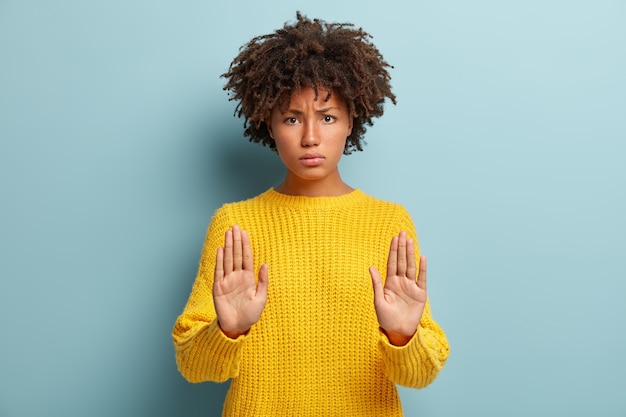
274, 197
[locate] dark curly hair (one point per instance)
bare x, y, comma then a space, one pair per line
309, 53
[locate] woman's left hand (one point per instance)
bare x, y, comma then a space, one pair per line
400, 302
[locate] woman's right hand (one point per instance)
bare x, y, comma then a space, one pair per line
238, 299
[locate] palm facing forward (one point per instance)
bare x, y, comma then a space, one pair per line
400, 302
239, 300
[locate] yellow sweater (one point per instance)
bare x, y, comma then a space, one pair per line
317, 349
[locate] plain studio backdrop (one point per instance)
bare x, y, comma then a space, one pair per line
507, 146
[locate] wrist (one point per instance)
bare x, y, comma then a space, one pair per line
398, 339
232, 333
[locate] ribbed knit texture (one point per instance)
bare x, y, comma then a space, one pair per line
317, 349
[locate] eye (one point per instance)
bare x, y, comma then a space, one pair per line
291, 120
329, 119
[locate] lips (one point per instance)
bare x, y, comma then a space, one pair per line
312, 159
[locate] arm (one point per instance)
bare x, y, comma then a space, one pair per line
417, 363
413, 346
203, 350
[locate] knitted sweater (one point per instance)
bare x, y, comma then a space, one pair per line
317, 349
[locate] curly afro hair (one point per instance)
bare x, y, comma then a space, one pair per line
335, 57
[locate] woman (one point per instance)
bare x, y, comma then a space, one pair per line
315, 330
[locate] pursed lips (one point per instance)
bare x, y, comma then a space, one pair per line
312, 159
312, 156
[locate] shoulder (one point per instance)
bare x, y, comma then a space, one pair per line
396, 213
242, 204
236, 212
384, 204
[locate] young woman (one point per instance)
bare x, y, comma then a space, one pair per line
289, 302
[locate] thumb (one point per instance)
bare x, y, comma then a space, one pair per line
261, 288
377, 284
421, 277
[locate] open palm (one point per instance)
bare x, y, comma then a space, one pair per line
400, 302
238, 299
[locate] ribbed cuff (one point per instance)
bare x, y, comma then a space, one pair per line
212, 355
408, 365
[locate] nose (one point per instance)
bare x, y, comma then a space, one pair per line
310, 135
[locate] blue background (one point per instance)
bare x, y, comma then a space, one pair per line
507, 146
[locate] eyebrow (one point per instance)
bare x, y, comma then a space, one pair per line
324, 110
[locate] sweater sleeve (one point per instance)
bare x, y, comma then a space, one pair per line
203, 352
417, 363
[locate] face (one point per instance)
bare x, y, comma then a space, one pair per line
310, 137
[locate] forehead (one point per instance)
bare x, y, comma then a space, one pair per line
324, 97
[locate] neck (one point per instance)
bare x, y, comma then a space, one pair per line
328, 188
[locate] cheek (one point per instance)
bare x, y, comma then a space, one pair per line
280, 146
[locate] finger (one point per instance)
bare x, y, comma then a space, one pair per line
401, 270
219, 265
377, 285
392, 260
248, 263
411, 268
261, 289
228, 252
421, 278
237, 249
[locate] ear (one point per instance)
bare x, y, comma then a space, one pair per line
350, 127
268, 123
